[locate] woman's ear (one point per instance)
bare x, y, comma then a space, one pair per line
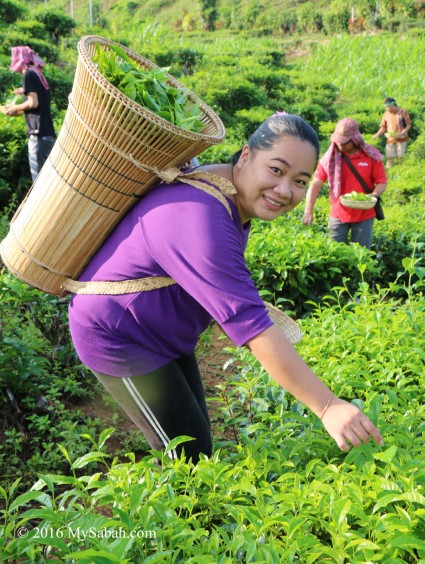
244, 154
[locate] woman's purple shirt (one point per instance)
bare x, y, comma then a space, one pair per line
181, 232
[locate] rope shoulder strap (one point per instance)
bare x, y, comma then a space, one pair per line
197, 180
117, 288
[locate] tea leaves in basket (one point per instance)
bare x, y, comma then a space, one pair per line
149, 88
358, 197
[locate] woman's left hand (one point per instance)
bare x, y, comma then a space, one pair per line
347, 424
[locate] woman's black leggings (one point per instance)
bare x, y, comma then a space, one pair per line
165, 404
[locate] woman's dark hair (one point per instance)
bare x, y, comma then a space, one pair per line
390, 102
277, 126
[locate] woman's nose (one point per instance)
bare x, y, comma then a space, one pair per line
284, 188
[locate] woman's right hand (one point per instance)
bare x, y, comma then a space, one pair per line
347, 424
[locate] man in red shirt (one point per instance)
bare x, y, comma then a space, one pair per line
347, 141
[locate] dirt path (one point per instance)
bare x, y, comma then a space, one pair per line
212, 361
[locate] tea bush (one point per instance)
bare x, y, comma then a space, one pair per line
14, 168
11, 11
336, 21
417, 148
283, 492
39, 375
229, 95
11, 37
300, 265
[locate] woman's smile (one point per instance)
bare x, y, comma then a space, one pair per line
272, 203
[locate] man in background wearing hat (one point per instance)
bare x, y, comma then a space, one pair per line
395, 124
347, 142
36, 106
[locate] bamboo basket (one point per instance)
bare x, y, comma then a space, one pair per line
107, 155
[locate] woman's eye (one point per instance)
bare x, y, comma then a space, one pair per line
301, 182
276, 170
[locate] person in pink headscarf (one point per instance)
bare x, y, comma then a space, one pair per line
347, 144
36, 106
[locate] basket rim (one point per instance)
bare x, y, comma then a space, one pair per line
357, 204
87, 40
288, 326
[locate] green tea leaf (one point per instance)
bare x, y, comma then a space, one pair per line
23, 499
375, 408
95, 556
104, 436
120, 51
150, 103
82, 461
387, 455
413, 497
407, 541
177, 441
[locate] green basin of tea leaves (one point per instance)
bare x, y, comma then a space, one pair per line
358, 197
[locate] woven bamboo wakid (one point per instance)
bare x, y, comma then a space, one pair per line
109, 152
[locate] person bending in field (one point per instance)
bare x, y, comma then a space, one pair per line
348, 151
141, 345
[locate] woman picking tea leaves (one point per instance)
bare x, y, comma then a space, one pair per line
141, 345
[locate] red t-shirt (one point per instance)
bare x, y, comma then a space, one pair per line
371, 171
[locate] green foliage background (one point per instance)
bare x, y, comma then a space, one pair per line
277, 489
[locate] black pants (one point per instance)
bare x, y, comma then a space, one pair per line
165, 404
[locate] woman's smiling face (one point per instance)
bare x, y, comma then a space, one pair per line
272, 182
